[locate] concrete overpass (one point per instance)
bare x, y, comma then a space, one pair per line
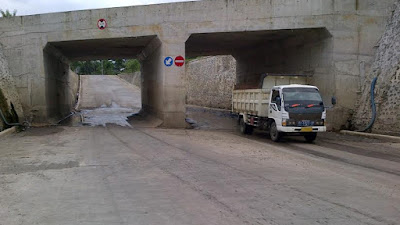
333, 40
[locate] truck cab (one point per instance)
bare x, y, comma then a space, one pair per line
296, 109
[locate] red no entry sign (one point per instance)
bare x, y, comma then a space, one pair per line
102, 24
179, 61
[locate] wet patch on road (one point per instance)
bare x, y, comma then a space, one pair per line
108, 115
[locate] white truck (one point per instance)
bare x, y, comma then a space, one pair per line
282, 105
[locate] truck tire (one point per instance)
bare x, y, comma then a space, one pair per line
310, 137
274, 133
245, 128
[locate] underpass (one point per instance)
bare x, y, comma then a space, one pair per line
118, 157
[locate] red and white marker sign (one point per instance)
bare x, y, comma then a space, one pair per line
102, 24
179, 61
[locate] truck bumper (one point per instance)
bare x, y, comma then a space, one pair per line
301, 129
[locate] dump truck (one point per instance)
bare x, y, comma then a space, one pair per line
281, 104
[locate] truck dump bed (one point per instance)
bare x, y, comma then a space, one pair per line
255, 101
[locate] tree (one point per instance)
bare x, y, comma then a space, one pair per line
119, 65
7, 13
131, 66
106, 67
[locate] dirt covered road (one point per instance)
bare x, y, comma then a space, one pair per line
117, 175
208, 175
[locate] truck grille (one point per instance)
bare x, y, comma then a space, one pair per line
305, 119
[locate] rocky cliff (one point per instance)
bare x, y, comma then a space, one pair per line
8, 93
387, 68
210, 81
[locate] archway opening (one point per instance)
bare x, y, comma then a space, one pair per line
256, 53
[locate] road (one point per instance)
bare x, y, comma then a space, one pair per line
108, 100
140, 175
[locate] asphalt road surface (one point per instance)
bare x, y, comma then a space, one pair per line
136, 175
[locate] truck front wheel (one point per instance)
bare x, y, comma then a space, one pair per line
244, 128
310, 137
274, 133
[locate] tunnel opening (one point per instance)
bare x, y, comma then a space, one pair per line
95, 75
256, 53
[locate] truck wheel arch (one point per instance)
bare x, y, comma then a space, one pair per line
270, 121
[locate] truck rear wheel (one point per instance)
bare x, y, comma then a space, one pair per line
245, 128
310, 137
274, 133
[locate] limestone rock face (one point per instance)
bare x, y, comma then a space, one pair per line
7, 87
387, 68
209, 81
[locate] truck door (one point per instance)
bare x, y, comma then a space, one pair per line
275, 106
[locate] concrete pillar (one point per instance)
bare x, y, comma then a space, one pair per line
163, 90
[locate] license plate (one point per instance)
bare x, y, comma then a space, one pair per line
306, 129
304, 123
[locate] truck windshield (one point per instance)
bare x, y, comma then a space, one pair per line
301, 96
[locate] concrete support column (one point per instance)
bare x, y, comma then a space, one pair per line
163, 91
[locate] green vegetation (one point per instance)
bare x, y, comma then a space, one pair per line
132, 65
192, 58
106, 67
11, 117
7, 13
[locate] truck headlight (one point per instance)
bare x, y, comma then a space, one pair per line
288, 122
292, 123
319, 123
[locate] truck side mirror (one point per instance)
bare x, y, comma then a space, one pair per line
334, 100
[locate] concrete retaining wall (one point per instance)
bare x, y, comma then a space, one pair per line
134, 78
387, 68
62, 85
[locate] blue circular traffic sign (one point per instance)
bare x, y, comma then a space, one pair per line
168, 61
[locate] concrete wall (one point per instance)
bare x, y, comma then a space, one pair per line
355, 26
62, 85
386, 67
309, 52
134, 78
152, 85
209, 81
